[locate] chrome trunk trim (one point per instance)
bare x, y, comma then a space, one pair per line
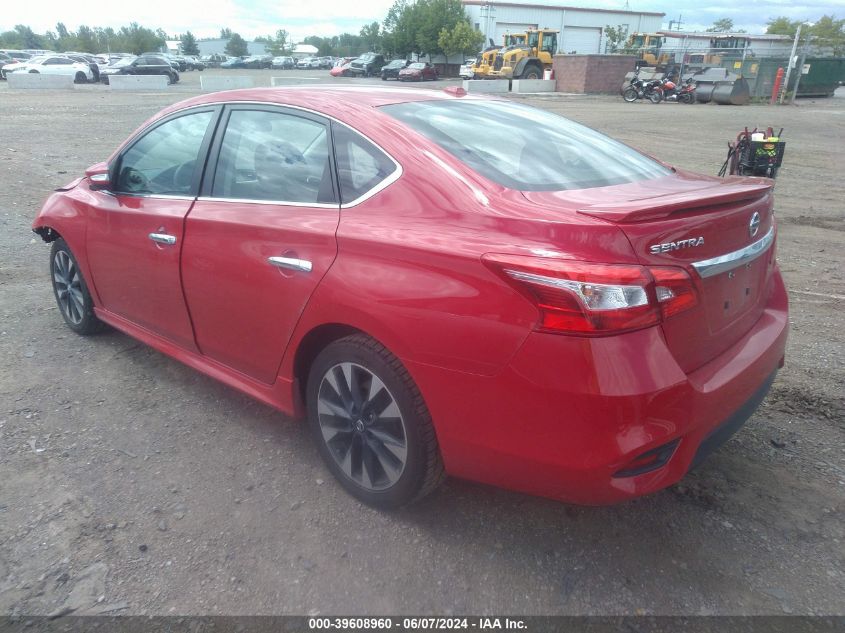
729, 261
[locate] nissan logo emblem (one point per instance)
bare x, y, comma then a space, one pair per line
754, 225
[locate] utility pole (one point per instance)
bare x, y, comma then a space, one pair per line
487, 12
791, 64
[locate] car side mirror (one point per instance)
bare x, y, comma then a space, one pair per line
98, 176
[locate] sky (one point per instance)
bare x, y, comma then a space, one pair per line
252, 18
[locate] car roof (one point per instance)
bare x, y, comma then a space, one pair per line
329, 100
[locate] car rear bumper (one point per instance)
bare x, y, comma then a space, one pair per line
569, 417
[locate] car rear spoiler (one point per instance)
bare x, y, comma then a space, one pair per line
720, 193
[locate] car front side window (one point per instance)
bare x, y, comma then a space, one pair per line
274, 156
163, 161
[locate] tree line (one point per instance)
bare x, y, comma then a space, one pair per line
410, 27
127, 39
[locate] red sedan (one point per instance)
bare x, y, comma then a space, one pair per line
557, 314
418, 71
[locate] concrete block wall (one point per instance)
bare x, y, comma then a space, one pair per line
529, 86
137, 82
487, 85
39, 81
591, 74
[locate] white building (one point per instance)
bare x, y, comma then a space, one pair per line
581, 29
304, 50
218, 47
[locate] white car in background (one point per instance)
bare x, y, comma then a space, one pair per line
52, 65
465, 71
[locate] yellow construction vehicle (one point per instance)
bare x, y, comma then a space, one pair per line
484, 62
647, 46
526, 60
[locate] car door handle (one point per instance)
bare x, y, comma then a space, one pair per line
163, 238
302, 265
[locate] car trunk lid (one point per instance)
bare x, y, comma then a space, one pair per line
720, 230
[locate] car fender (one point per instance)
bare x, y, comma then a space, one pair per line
63, 215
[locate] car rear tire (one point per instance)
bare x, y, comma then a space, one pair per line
71, 291
371, 425
80, 78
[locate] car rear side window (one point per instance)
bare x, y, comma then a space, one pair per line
361, 166
525, 148
163, 161
274, 156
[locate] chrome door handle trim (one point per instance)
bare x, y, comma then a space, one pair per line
162, 238
302, 265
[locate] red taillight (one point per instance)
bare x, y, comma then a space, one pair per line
594, 299
673, 288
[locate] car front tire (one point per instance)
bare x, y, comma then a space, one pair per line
71, 291
371, 425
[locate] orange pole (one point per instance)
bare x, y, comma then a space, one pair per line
776, 87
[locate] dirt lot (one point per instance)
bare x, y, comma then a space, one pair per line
133, 484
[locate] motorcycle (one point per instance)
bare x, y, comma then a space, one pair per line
641, 89
669, 91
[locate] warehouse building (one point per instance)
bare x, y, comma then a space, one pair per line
581, 29
218, 47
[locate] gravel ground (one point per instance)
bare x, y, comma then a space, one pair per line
131, 484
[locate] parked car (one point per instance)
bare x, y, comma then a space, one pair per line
391, 70
326, 63
341, 70
93, 63
6, 59
141, 65
52, 65
304, 62
8, 56
283, 62
613, 322
465, 71
194, 62
258, 61
15, 54
368, 65
15, 59
180, 65
213, 61
233, 62
418, 71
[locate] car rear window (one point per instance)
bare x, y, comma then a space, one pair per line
361, 166
525, 148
